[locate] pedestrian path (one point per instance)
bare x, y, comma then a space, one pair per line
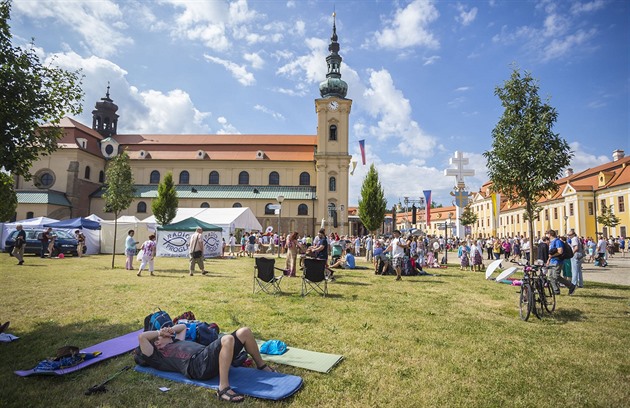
617, 271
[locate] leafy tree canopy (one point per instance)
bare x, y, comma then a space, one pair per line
119, 190
32, 95
8, 204
165, 205
468, 216
372, 205
607, 217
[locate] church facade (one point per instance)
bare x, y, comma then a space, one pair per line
306, 174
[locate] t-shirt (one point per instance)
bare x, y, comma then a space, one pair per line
350, 263
323, 254
397, 250
252, 239
378, 251
174, 357
556, 243
601, 246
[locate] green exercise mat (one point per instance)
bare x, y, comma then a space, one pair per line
310, 360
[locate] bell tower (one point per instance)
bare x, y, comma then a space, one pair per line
332, 161
104, 117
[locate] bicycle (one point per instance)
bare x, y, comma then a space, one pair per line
536, 294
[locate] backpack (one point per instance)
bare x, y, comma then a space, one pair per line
201, 332
567, 251
157, 320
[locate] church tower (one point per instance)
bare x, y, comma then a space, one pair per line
332, 161
104, 117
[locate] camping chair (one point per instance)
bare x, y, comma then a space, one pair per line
264, 277
314, 278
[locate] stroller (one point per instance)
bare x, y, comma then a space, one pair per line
600, 261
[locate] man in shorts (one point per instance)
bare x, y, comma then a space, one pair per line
166, 350
397, 248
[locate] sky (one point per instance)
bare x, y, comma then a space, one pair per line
421, 74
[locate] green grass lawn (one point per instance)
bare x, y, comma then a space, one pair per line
453, 339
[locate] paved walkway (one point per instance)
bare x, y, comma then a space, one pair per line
617, 271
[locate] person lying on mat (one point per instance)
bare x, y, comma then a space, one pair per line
166, 350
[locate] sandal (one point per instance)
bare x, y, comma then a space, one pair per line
229, 395
267, 368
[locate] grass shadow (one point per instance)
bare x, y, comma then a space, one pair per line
338, 282
569, 315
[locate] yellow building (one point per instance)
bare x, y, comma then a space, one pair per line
576, 205
308, 174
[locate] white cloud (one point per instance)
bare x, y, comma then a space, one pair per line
300, 28
255, 60
264, 109
465, 16
409, 27
463, 89
560, 47
431, 60
238, 71
291, 4
226, 127
583, 160
310, 67
587, 7
94, 21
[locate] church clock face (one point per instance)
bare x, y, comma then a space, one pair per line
333, 106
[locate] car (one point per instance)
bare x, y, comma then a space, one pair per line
65, 242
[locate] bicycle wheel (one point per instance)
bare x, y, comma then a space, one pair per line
550, 296
539, 298
525, 301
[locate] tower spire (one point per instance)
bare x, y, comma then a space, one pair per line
104, 117
333, 85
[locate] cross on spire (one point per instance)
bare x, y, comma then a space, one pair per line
459, 172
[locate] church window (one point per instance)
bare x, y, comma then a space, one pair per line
101, 176
305, 179
87, 172
269, 210
332, 135
236, 205
274, 178
142, 207
621, 204
184, 177
205, 205
243, 177
109, 149
302, 209
214, 177
155, 177
332, 184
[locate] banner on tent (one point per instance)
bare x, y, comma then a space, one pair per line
176, 243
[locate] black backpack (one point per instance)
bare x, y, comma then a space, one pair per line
157, 320
567, 251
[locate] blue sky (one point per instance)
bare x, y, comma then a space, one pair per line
421, 73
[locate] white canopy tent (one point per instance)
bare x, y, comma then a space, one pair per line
30, 223
229, 219
125, 223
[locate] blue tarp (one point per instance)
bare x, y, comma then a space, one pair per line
75, 223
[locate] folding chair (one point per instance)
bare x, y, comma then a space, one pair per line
314, 278
264, 277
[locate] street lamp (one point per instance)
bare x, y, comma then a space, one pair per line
450, 217
280, 199
566, 224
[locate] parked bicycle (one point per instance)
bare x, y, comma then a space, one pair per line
536, 294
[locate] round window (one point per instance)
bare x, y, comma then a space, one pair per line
109, 149
44, 178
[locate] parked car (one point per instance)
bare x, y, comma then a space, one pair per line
65, 242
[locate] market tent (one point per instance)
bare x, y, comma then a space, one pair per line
125, 223
173, 239
30, 223
89, 228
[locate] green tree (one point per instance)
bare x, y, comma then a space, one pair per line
8, 204
119, 190
165, 205
372, 205
527, 157
468, 216
607, 217
32, 94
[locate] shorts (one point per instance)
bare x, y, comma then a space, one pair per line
397, 262
205, 364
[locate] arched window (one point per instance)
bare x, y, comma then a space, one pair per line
184, 177
268, 210
305, 179
101, 176
243, 177
29, 215
142, 207
87, 172
214, 177
205, 205
155, 177
332, 184
236, 205
332, 134
302, 209
274, 178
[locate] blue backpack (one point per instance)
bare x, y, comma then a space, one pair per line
201, 332
157, 320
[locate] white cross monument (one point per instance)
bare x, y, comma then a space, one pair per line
459, 173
